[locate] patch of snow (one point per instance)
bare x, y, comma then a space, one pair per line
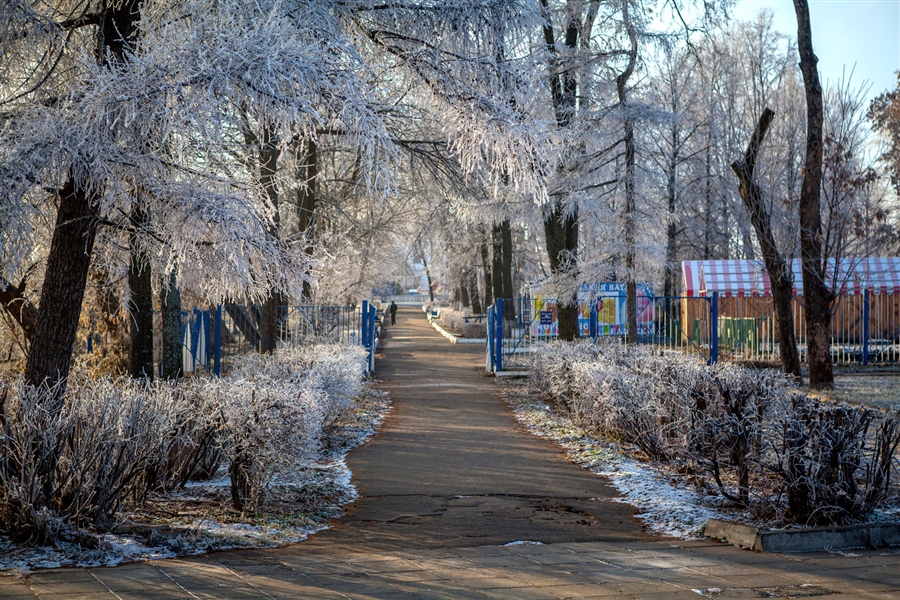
524, 543
219, 481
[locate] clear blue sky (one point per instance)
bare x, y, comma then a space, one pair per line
864, 33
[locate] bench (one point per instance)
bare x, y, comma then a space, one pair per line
474, 319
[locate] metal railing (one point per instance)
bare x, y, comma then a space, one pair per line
213, 337
865, 328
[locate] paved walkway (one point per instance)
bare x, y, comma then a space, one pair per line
445, 488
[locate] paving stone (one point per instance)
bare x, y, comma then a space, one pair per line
520, 594
76, 587
62, 576
16, 591
74, 596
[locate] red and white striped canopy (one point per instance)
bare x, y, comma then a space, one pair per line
749, 277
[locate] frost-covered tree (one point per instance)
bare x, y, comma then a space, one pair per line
112, 108
884, 112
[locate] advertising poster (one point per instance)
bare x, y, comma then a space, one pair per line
611, 314
612, 318
544, 322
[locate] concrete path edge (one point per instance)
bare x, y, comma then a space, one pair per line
804, 540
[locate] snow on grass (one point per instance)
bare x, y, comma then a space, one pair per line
298, 506
665, 508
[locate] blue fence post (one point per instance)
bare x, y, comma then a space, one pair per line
217, 343
498, 334
364, 324
714, 329
372, 319
489, 341
865, 348
593, 320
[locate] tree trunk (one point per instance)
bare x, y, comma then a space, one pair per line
307, 170
463, 286
13, 300
172, 339
561, 233
671, 271
708, 202
671, 275
630, 208
497, 262
507, 271
268, 165
428, 278
631, 336
817, 299
63, 290
488, 279
780, 276
140, 303
477, 308
73, 238
561, 223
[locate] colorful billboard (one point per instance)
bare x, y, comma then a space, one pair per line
611, 314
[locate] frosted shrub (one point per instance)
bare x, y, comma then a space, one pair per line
455, 321
335, 370
758, 443
69, 464
266, 429
551, 368
275, 406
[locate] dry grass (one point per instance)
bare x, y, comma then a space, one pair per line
878, 390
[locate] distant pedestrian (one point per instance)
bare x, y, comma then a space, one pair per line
393, 311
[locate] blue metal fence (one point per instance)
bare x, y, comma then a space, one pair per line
211, 338
670, 323
865, 328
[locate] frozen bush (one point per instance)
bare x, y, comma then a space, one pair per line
455, 321
760, 444
834, 469
68, 465
335, 370
275, 406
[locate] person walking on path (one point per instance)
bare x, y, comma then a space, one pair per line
393, 311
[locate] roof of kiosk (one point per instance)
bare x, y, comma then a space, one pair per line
736, 278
